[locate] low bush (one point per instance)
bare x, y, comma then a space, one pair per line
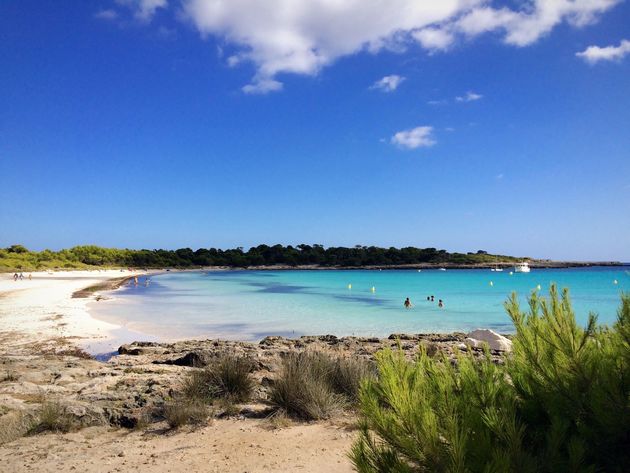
303, 387
226, 376
560, 403
348, 374
314, 385
180, 412
53, 416
13, 425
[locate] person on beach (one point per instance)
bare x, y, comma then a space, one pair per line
21, 276
407, 303
440, 303
30, 276
15, 277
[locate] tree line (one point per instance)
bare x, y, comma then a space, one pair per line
19, 257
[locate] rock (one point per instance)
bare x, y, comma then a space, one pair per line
194, 359
129, 350
497, 342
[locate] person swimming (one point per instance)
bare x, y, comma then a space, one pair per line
432, 298
407, 303
428, 298
440, 303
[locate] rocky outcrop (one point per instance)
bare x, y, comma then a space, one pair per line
477, 338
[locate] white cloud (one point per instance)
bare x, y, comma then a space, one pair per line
303, 36
420, 136
469, 97
594, 54
499, 177
262, 86
107, 14
536, 19
388, 83
434, 39
144, 9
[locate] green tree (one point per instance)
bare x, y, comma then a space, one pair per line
560, 403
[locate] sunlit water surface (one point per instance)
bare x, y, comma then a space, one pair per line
249, 305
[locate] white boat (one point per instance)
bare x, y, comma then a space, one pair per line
442, 269
522, 268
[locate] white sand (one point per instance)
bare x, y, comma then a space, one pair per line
43, 308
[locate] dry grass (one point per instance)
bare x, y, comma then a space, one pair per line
13, 425
226, 377
180, 412
303, 389
9, 376
317, 385
53, 416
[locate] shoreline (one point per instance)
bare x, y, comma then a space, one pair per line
44, 311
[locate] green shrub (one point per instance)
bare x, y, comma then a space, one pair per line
560, 403
180, 412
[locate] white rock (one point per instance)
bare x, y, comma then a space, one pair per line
476, 339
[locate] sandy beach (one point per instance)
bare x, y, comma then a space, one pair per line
41, 327
41, 309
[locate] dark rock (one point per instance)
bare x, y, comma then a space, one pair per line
129, 350
193, 359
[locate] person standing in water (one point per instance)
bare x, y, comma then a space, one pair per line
407, 303
440, 303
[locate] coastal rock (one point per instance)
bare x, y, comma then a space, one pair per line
497, 342
195, 359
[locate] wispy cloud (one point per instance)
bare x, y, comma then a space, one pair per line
595, 54
469, 97
413, 138
388, 83
499, 177
143, 10
107, 14
262, 86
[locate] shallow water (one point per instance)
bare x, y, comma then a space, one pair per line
249, 305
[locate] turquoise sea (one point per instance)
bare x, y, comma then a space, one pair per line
249, 305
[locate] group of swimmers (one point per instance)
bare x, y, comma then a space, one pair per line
408, 304
146, 281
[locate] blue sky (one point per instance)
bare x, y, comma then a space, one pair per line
462, 125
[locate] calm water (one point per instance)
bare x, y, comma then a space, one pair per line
248, 305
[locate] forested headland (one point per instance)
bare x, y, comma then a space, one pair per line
18, 257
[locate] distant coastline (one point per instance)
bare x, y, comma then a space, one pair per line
277, 257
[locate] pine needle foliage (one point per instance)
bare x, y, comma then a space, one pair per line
560, 403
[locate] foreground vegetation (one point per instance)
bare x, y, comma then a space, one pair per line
560, 403
17, 257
